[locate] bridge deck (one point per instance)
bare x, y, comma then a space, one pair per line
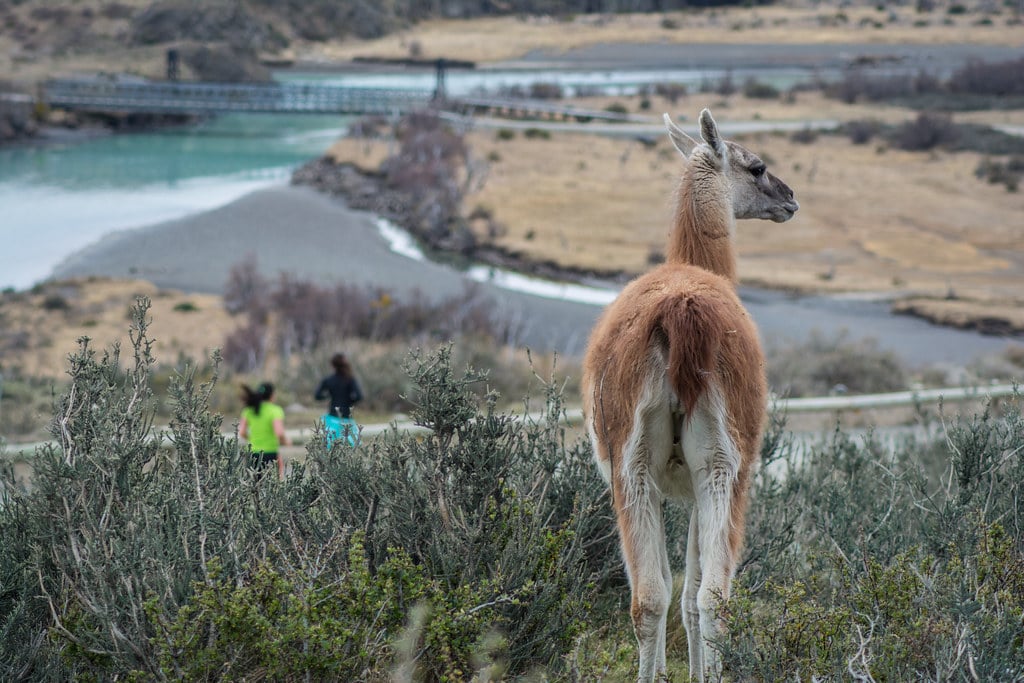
114, 95
205, 98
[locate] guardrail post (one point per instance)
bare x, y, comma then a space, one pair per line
440, 91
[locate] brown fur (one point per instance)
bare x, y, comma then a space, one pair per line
700, 323
669, 338
703, 226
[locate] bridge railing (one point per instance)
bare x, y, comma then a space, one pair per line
138, 95
200, 98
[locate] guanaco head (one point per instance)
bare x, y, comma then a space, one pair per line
754, 192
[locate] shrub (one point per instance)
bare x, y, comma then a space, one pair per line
903, 560
978, 77
536, 134
55, 302
105, 503
858, 84
1007, 174
804, 136
425, 172
861, 131
479, 545
546, 91
760, 90
245, 348
185, 307
245, 288
825, 365
927, 131
670, 91
724, 86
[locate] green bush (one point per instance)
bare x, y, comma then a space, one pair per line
760, 90
55, 302
834, 364
1007, 174
484, 547
901, 561
479, 546
925, 132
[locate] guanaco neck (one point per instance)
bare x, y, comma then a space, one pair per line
704, 225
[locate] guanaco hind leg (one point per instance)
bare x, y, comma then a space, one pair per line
714, 461
644, 458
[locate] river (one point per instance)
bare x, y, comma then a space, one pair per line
59, 197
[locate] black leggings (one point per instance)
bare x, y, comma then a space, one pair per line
261, 460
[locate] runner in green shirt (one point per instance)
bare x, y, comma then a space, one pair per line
262, 423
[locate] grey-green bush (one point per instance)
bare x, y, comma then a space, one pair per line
878, 561
484, 544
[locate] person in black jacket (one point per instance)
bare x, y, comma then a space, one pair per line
343, 391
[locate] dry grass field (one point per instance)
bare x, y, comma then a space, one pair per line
916, 226
52, 317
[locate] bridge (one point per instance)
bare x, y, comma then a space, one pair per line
119, 95
178, 97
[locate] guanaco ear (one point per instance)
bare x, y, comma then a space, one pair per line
682, 142
709, 131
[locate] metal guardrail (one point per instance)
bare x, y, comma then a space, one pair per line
823, 404
900, 399
793, 406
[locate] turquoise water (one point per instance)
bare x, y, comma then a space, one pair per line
57, 198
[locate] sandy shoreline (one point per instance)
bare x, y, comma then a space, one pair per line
311, 236
287, 229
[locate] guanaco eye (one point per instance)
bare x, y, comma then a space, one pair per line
758, 171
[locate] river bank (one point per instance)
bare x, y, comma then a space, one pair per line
299, 231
